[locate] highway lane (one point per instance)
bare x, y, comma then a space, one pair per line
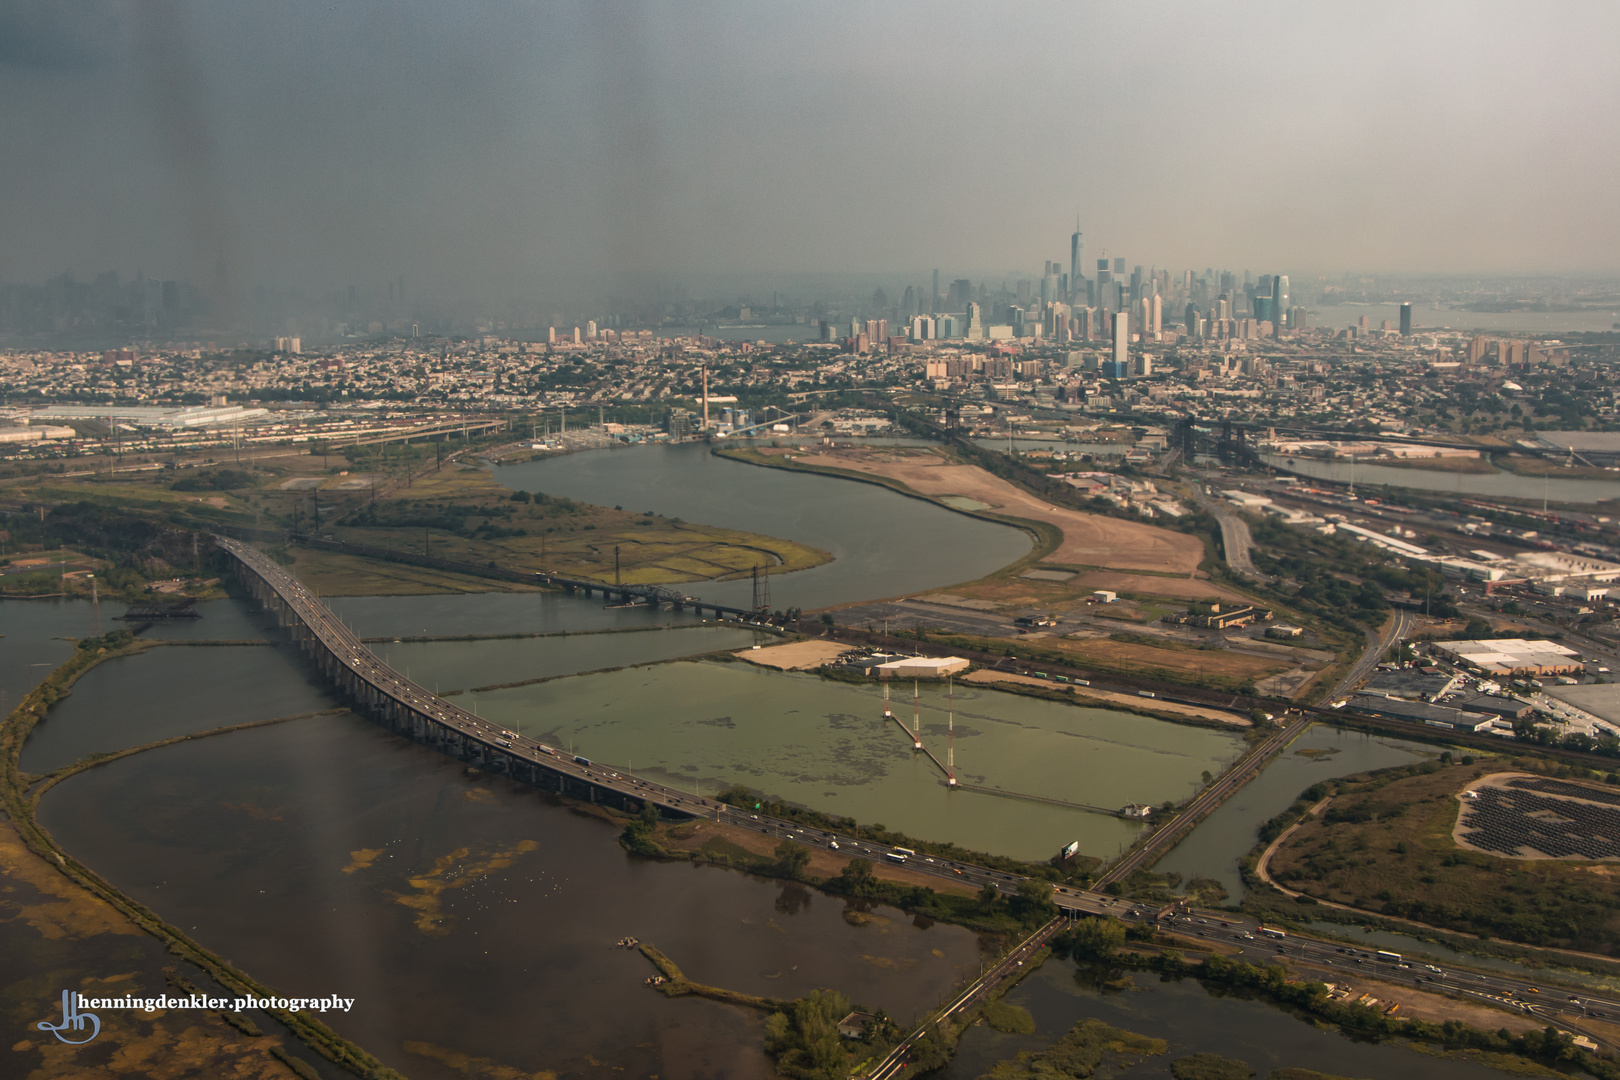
1236, 540
1500, 989
1398, 628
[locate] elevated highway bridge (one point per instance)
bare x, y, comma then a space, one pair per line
378, 691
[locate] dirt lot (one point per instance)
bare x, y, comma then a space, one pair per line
1416, 1005
795, 655
1123, 654
1088, 539
1152, 585
823, 863
1176, 707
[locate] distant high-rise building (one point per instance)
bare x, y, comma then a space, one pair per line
1406, 320
961, 293
933, 305
1076, 272
1189, 318
1057, 322
1279, 303
1158, 313
975, 323
590, 330
1119, 266
1122, 338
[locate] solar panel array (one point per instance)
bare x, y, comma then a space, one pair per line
1541, 816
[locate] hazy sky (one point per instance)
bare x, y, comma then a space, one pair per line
474, 147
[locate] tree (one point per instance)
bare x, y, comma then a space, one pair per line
791, 859
1034, 900
805, 1042
1095, 938
856, 877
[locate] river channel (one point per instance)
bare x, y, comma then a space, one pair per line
1192, 1019
1505, 485
882, 544
1220, 841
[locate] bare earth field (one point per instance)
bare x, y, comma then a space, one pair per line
1152, 585
989, 677
1088, 539
795, 655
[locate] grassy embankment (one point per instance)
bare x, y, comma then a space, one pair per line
1164, 661
1488, 463
20, 801
676, 984
1529, 465
988, 911
1106, 948
1384, 846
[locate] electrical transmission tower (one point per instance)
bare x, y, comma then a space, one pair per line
762, 590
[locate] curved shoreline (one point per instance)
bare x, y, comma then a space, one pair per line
19, 800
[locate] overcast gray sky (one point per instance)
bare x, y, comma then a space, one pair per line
472, 146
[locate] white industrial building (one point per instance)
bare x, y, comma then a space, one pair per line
1511, 656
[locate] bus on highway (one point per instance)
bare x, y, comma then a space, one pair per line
1392, 957
899, 854
1272, 931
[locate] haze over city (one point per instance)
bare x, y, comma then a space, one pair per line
486, 152
479, 483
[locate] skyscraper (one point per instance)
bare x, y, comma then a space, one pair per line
1075, 271
933, 305
1406, 320
1122, 340
1279, 303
